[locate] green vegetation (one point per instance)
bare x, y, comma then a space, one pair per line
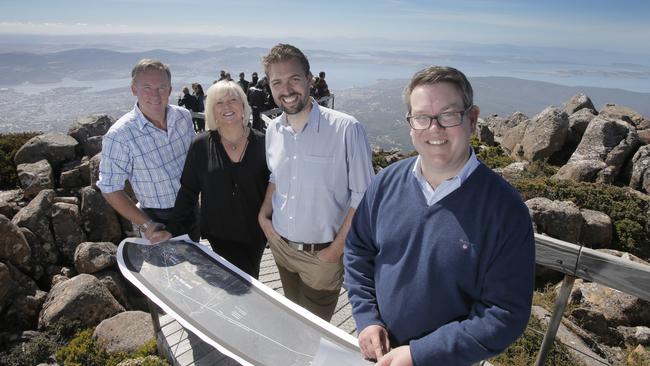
9, 145
35, 351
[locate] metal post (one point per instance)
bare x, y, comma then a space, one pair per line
153, 310
556, 318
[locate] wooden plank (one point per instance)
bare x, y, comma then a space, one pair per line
618, 273
556, 254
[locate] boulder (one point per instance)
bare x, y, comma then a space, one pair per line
511, 141
90, 126
81, 300
578, 123
10, 202
99, 219
484, 133
125, 332
21, 302
514, 171
635, 335
13, 245
92, 257
558, 219
93, 168
616, 111
544, 136
6, 285
578, 102
616, 307
597, 230
55, 147
602, 152
35, 265
35, 177
75, 174
116, 284
67, 231
36, 217
644, 136
93, 146
640, 170
500, 126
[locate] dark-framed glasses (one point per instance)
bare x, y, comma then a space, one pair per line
444, 120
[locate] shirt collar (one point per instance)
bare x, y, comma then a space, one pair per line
465, 172
313, 120
141, 121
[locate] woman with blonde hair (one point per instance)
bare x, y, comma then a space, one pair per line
226, 168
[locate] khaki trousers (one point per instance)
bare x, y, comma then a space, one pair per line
306, 280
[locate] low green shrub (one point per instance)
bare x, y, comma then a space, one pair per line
36, 350
9, 145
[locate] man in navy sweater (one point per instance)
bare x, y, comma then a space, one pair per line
439, 261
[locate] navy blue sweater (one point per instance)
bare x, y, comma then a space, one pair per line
453, 280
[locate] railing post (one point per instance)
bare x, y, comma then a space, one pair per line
556, 318
153, 310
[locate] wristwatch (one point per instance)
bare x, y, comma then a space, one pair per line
146, 225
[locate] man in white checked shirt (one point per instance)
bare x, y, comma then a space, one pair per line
147, 146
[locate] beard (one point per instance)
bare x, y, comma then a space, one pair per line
296, 108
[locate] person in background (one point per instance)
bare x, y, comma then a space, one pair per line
254, 79
257, 98
199, 123
188, 100
320, 164
243, 83
440, 258
226, 168
322, 90
147, 146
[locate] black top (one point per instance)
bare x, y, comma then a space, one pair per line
231, 193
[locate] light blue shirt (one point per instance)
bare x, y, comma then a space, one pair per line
446, 187
319, 173
151, 159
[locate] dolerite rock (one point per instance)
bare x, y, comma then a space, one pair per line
125, 332
597, 230
93, 167
92, 257
578, 123
66, 222
640, 170
36, 217
644, 136
6, 284
602, 153
511, 141
635, 335
558, 219
99, 219
13, 245
578, 102
54, 147
81, 300
514, 171
545, 135
75, 174
484, 133
10, 202
616, 111
36, 270
93, 146
116, 284
90, 126
35, 177
21, 302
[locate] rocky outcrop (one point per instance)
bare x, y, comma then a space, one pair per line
620, 112
597, 231
578, 102
92, 257
602, 152
75, 174
35, 177
81, 300
88, 131
54, 147
13, 245
11, 202
36, 217
67, 232
544, 136
21, 302
558, 219
99, 219
578, 123
125, 332
640, 170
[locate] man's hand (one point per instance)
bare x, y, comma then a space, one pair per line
155, 233
373, 341
400, 356
331, 254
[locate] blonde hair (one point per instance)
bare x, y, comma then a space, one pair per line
218, 90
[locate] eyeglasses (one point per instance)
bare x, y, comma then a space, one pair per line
444, 120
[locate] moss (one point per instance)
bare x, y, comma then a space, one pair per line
9, 145
36, 350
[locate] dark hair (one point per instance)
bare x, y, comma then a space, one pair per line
199, 88
284, 52
440, 74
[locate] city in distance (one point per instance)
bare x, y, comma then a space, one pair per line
46, 86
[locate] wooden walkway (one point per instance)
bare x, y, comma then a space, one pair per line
183, 348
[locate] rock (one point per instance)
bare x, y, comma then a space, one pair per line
93, 167
6, 284
595, 323
625, 255
55, 147
125, 332
36, 217
81, 300
512, 138
637, 356
578, 123
75, 174
567, 335
35, 177
93, 146
500, 126
10, 202
635, 335
13, 245
615, 111
90, 126
545, 135
484, 133
602, 152
92, 257
99, 219
558, 219
639, 170
36, 270
515, 170
140, 361
21, 302
597, 230
67, 232
616, 307
70, 200
578, 102
644, 136
115, 283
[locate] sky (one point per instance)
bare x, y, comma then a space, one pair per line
594, 24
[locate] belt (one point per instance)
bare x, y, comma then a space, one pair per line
306, 247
